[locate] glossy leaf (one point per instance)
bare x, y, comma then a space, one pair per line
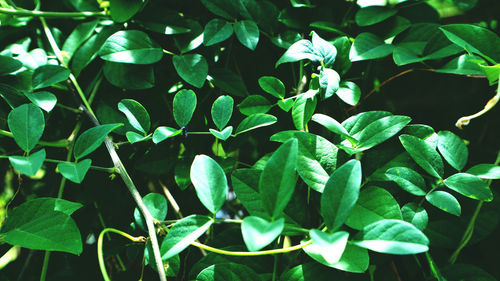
302, 111
183, 233
373, 14
9, 65
183, 106
368, 46
470, 186
254, 104
247, 33
134, 137
453, 149
255, 121
462, 65
325, 49
424, 155
300, 50
210, 182
222, 135
222, 110
331, 124
349, 92
224, 8
129, 76
216, 31
258, 232
354, 259
278, 179
374, 204
246, 186
74, 172
273, 86
330, 246
192, 68
228, 271
27, 124
485, 171
415, 215
28, 165
91, 139
394, 237
380, 130
136, 114
43, 99
444, 201
47, 75
340, 194
329, 81
162, 133
408, 180
43, 224
123, 10
78, 36
131, 46
157, 207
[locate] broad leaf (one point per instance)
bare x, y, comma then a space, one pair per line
129, 76
222, 135
394, 237
332, 125
329, 81
300, 50
28, 165
134, 137
43, 99
325, 49
136, 114
183, 106
273, 86
415, 215
470, 186
408, 180
340, 194
157, 207
254, 104
228, 81
47, 75
9, 65
78, 36
302, 110
228, 271
453, 149
246, 186
131, 46
216, 31
373, 14
258, 232
255, 121
123, 10
224, 8
444, 201
374, 204
183, 233
278, 179
485, 171
349, 92
192, 68
210, 182
330, 246
424, 155
222, 110
162, 133
247, 33
368, 46
380, 130
74, 172
354, 259
27, 124
91, 139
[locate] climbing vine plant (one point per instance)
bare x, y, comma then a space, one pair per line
234, 140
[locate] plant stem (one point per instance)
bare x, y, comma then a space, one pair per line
102, 169
58, 143
102, 266
45, 265
249, 254
67, 15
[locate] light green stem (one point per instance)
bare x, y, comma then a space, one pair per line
250, 254
70, 15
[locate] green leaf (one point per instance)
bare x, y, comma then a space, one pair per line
349, 92
444, 201
74, 172
278, 179
374, 204
123, 10
28, 165
91, 139
9, 65
228, 81
246, 186
330, 246
228, 271
286, 104
470, 186
43, 224
329, 81
216, 31
394, 237
80, 34
157, 206
210, 182
136, 114
181, 174
325, 49
368, 46
300, 50
162, 133
453, 149
192, 68
47, 75
255, 121
254, 104
485, 171
224, 8
134, 137
273, 86
332, 125
311, 271
492, 72
222, 110
415, 215
224, 134
192, 40
258, 232
380, 130
183, 233
463, 65
129, 76
131, 46
27, 124
340, 194
302, 110
466, 272
354, 259
408, 180
247, 33
475, 39
424, 155
373, 14
43, 99
183, 106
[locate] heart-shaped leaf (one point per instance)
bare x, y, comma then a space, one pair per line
210, 182
28, 165
44, 100
183, 106
222, 110
26, 123
330, 246
131, 46
74, 172
216, 31
286, 104
183, 233
224, 134
136, 114
162, 133
273, 86
258, 232
47, 75
192, 68
91, 139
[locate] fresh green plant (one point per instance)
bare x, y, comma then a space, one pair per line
243, 131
